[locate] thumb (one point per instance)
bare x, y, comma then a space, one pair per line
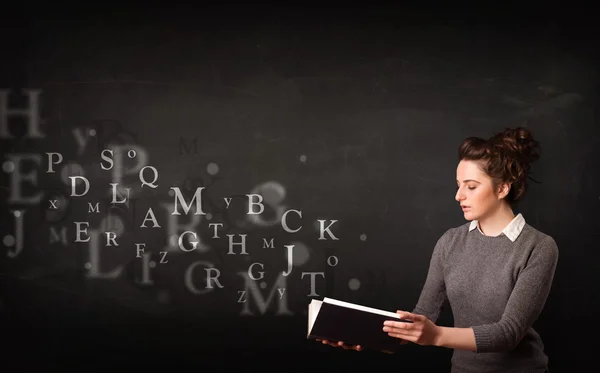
406, 315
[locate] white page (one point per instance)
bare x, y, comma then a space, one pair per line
313, 311
361, 308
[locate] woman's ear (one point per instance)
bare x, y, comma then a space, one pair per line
504, 190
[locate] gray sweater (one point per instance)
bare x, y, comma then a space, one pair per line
497, 287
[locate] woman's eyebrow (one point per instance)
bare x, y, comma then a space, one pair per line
466, 181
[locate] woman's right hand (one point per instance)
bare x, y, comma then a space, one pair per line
340, 344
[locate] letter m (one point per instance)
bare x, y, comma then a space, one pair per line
179, 200
183, 146
254, 293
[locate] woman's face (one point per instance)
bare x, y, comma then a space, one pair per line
475, 192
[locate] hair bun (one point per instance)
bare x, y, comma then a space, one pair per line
517, 143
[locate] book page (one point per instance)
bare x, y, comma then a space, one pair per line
313, 311
360, 308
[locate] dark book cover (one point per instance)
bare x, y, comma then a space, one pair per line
352, 324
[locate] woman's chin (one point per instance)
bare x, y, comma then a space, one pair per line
468, 215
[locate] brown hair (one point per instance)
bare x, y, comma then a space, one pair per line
506, 157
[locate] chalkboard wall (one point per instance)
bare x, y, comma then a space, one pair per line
348, 120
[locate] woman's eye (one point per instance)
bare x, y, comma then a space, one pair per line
471, 188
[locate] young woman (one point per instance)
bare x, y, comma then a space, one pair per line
496, 271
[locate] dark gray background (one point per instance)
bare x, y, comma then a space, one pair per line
377, 99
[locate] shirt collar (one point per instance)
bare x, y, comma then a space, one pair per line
512, 230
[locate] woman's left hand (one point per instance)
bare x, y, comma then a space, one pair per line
421, 331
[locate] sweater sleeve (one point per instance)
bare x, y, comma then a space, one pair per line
525, 302
433, 295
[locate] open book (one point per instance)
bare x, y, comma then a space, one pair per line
353, 324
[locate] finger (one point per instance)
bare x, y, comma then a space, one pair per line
409, 316
407, 337
358, 347
397, 326
404, 315
344, 346
407, 333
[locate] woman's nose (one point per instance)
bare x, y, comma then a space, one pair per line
458, 196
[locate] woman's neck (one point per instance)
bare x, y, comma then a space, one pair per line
495, 223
